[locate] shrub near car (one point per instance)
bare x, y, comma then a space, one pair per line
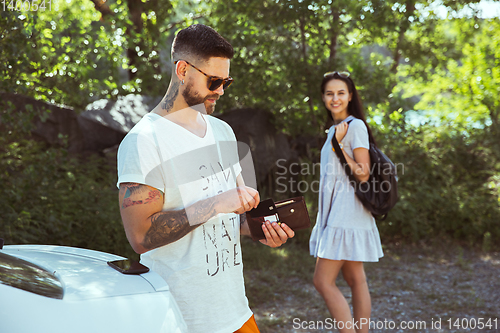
60, 289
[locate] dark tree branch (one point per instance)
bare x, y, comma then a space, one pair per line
410, 10
136, 8
103, 8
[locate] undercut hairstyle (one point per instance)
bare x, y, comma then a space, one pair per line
201, 42
354, 108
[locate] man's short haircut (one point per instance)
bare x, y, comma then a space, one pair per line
199, 41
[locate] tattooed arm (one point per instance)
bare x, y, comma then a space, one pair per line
148, 227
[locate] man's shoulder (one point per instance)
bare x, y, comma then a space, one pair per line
142, 131
144, 124
220, 125
218, 122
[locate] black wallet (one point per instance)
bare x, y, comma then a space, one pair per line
292, 212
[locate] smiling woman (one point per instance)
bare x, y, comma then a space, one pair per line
345, 235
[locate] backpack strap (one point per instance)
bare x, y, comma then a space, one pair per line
342, 159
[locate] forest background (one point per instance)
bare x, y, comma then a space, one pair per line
428, 73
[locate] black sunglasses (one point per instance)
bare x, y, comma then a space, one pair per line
214, 82
344, 75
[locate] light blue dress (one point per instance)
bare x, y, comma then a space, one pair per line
345, 229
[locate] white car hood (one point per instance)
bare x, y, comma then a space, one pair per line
85, 274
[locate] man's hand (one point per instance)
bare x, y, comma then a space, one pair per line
276, 234
238, 200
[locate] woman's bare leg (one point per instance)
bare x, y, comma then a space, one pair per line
354, 274
325, 275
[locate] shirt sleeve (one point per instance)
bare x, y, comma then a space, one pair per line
139, 162
359, 134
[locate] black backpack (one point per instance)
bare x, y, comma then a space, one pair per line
380, 193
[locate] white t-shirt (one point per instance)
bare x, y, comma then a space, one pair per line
204, 269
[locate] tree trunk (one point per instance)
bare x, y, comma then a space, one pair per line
306, 65
334, 33
410, 10
136, 9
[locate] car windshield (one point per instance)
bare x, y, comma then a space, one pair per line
21, 274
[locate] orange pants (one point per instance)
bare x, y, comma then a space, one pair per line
249, 327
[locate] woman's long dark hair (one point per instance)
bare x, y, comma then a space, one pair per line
354, 108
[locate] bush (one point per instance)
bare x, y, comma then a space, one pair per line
445, 187
50, 197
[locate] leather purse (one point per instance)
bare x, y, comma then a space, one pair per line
292, 212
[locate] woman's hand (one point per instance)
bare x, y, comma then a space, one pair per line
276, 234
340, 131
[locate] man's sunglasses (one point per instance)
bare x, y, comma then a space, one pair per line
344, 75
214, 82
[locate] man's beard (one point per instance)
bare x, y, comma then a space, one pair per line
193, 99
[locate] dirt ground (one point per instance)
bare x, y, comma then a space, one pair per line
413, 289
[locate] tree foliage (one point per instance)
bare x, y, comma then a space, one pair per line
464, 88
75, 54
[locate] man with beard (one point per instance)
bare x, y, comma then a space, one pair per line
182, 192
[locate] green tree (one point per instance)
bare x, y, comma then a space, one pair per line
453, 173
282, 50
80, 51
465, 89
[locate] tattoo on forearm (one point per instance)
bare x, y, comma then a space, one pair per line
136, 194
170, 226
166, 227
168, 102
